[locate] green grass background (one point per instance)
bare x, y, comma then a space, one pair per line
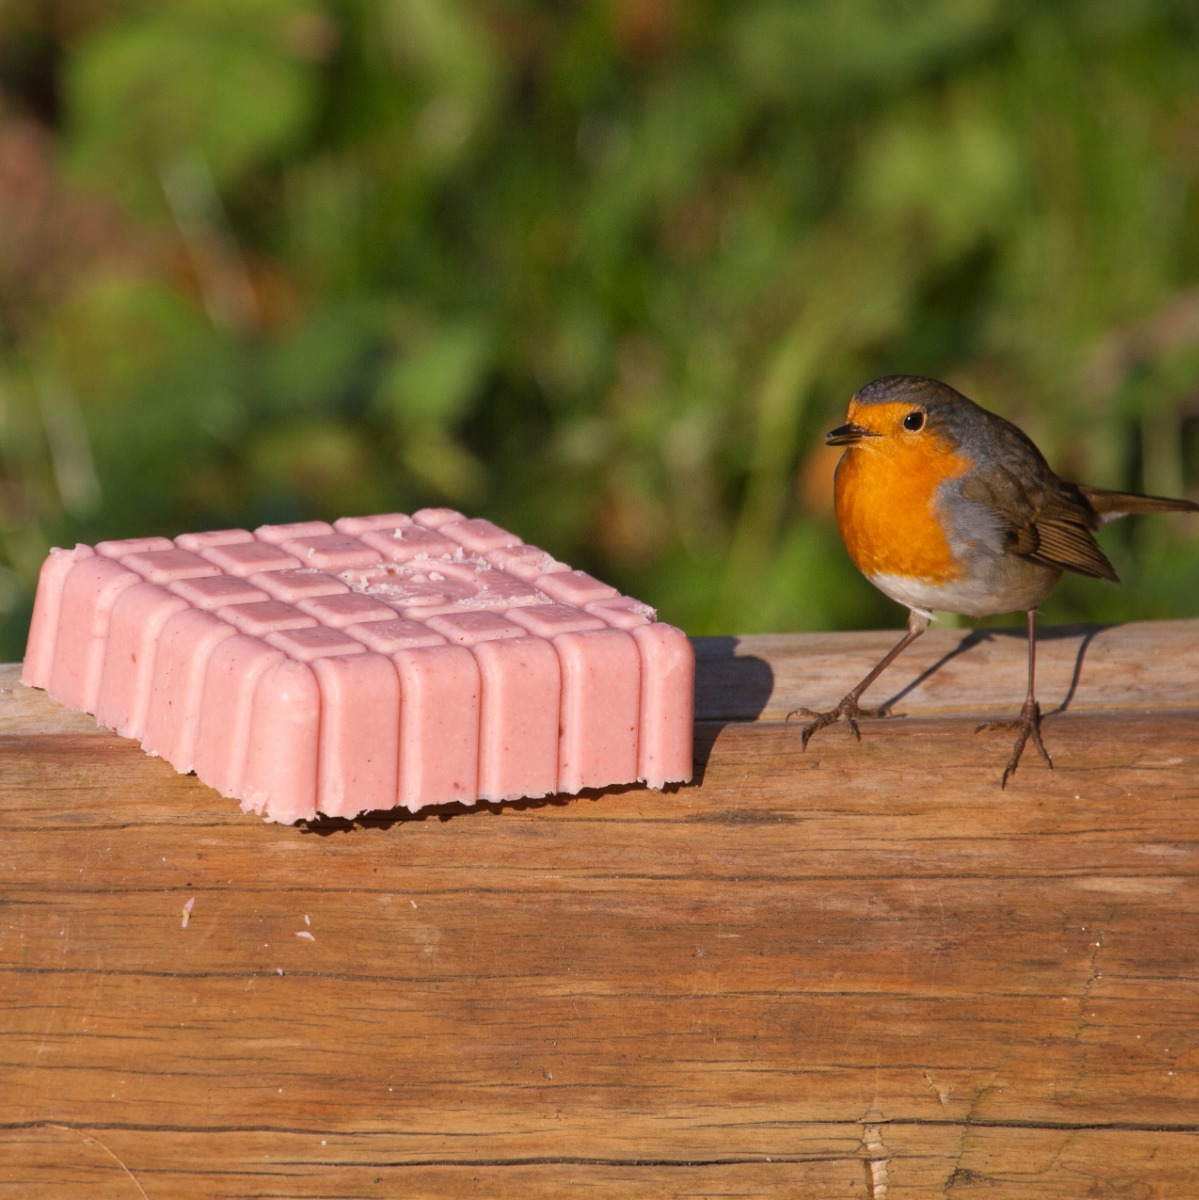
603, 272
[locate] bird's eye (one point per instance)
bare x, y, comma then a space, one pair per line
914, 420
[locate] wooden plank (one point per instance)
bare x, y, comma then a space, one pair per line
859, 971
1140, 665
299, 1173
856, 1161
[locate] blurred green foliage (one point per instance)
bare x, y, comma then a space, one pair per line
602, 272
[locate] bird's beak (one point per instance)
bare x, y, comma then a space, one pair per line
847, 435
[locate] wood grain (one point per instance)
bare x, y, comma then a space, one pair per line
859, 971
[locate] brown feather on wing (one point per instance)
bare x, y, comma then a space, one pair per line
1066, 544
1060, 535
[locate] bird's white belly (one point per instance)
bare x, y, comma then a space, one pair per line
979, 597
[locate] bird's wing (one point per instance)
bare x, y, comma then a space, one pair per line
1063, 537
1050, 524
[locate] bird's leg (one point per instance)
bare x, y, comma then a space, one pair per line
848, 710
1028, 723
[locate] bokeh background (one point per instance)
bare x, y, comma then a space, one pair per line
601, 271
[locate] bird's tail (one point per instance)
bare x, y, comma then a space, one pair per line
1110, 505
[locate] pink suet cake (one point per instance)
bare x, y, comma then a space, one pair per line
376, 662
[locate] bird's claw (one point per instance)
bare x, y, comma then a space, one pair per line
1027, 725
848, 711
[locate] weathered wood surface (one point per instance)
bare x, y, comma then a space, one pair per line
859, 971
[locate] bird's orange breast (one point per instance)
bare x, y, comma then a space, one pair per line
885, 496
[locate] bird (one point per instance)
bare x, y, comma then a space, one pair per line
946, 506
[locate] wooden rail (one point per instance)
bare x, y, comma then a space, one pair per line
859, 971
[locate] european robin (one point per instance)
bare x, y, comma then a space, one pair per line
945, 506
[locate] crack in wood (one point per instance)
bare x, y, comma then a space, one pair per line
876, 1157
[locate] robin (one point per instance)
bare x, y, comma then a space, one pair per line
945, 506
